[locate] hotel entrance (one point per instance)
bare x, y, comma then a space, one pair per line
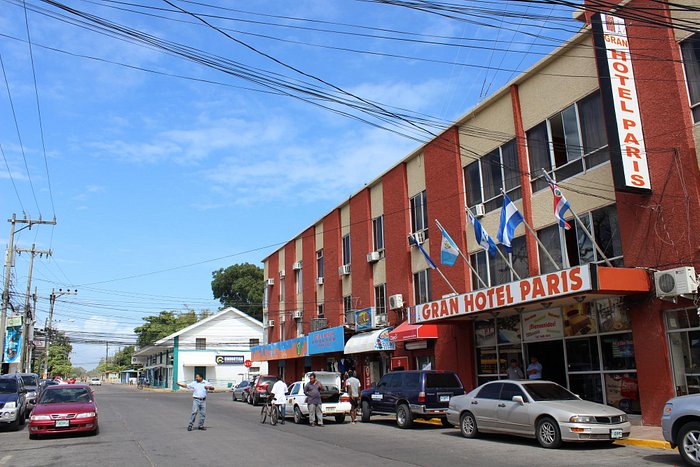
550, 354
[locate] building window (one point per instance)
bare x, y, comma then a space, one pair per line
346, 249
282, 289
569, 142
684, 342
495, 271
319, 263
200, 343
320, 311
496, 171
419, 214
421, 286
297, 280
380, 299
378, 233
300, 328
266, 296
253, 342
690, 49
347, 311
281, 326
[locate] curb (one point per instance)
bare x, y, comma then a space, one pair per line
646, 443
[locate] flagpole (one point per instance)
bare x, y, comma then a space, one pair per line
539, 242
465, 259
580, 222
445, 279
507, 261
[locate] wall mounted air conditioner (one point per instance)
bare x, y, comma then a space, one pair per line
395, 302
678, 282
281, 274
416, 238
296, 265
319, 280
479, 211
270, 323
344, 270
373, 256
381, 320
298, 314
270, 282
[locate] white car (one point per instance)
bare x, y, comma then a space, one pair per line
335, 401
95, 382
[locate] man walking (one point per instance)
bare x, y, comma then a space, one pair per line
279, 390
312, 390
199, 399
352, 386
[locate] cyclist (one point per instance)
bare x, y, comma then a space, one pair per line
279, 391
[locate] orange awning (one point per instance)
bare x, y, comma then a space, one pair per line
412, 332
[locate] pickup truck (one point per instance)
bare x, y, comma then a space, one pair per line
335, 401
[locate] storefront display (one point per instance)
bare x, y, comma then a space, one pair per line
622, 391
542, 324
612, 315
579, 320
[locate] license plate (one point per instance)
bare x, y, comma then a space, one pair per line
330, 408
444, 398
616, 433
62, 423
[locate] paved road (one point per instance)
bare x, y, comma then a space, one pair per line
143, 428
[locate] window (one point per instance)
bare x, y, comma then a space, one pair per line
298, 281
509, 390
347, 310
569, 142
319, 263
690, 49
494, 270
346, 249
380, 299
378, 233
281, 325
421, 286
300, 328
266, 296
253, 342
684, 341
281, 289
200, 343
496, 171
419, 214
490, 391
320, 311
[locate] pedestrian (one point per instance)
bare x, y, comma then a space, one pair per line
279, 390
352, 386
312, 391
515, 372
534, 369
199, 399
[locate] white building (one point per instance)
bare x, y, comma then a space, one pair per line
217, 347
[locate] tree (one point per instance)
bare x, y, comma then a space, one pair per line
240, 286
163, 324
59, 355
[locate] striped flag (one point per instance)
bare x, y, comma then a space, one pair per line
448, 249
510, 220
561, 205
428, 259
482, 237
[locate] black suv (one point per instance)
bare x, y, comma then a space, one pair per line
13, 401
411, 395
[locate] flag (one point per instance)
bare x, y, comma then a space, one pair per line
510, 220
482, 237
448, 249
428, 259
561, 205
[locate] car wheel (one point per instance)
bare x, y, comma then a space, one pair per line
366, 411
255, 400
96, 432
689, 443
446, 423
298, 417
548, 434
233, 397
404, 419
340, 418
467, 425
23, 418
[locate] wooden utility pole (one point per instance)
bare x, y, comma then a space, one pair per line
47, 330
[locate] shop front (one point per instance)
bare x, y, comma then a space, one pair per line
418, 342
370, 352
683, 329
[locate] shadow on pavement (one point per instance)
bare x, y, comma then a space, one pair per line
667, 458
521, 441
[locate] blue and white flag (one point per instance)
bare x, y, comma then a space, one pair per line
482, 237
448, 249
428, 259
510, 220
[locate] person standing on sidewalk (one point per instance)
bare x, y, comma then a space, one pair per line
279, 390
312, 390
352, 386
199, 389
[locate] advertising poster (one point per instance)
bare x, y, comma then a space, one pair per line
292, 348
13, 339
363, 319
612, 315
485, 333
383, 342
578, 320
509, 330
622, 391
542, 324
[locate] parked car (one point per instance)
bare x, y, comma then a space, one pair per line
13, 401
680, 424
31, 384
536, 409
43, 383
240, 391
258, 390
95, 382
335, 402
64, 408
412, 394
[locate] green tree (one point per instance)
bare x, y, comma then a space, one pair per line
240, 286
59, 355
163, 324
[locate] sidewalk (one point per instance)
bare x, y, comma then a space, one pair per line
645, 436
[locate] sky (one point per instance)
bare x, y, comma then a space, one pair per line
160, 169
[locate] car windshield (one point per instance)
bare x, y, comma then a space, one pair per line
8, 386
29, 380
61, 395
548, 392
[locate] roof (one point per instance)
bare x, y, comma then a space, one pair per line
207, 320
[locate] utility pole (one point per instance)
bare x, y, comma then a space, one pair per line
47, 329
27, 320
9, 260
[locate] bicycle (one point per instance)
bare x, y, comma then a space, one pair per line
269, 410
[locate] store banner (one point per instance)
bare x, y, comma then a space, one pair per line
542, 324
292, 348
383, 342
364, 319
230, 359
326, 341
13, 339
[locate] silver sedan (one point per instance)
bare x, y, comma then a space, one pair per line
536, 409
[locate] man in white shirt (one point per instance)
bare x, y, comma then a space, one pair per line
534, 369
199, 399
352, 386
279, 390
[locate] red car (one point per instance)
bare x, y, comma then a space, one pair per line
64, 408
259, 389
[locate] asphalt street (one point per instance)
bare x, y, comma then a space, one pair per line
144, 428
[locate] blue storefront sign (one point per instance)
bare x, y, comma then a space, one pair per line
326, 341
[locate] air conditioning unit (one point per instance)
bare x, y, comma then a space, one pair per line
673, 283
395, 302
270, 282
319, 280
281, 274
270, 323
479, 211
298, 314
381, 320
373, 256
344, 270
417, 238
296, 265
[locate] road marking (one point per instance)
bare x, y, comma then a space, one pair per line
5, 459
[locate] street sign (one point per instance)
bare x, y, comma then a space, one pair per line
248, 363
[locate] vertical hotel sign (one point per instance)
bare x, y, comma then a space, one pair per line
628, 154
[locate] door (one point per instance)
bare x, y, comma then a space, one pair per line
292, 397
379, 394
485, 406
394, 391
513, 417
550, 355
